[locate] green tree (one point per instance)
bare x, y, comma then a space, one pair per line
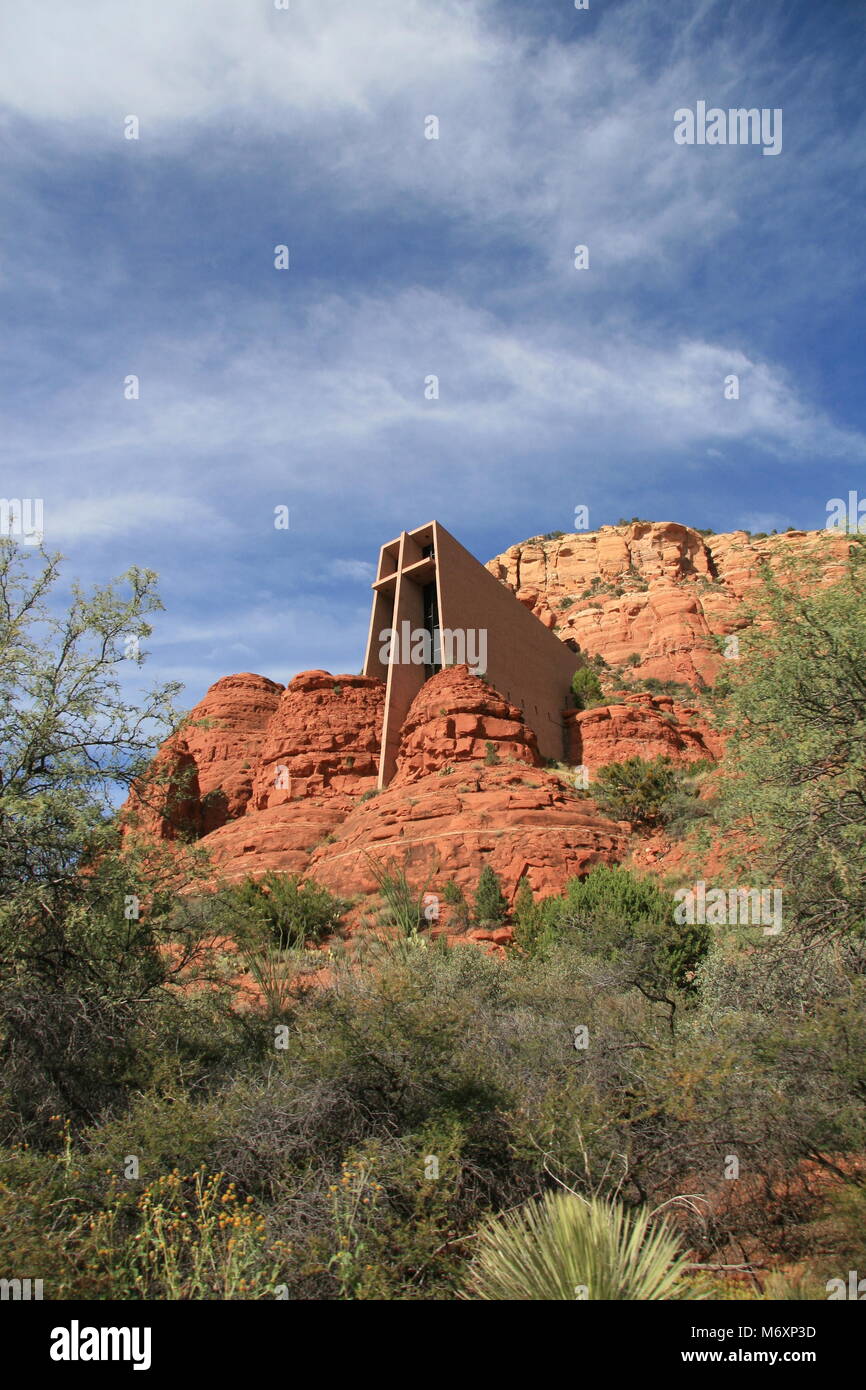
490, 905
585, 687
79, 958
795, 701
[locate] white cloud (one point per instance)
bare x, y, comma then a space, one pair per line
242, 431
360, 571
111, 514
176, 61
542, 141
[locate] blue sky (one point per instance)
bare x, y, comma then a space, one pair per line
411, 257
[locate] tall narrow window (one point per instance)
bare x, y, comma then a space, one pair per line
431, 623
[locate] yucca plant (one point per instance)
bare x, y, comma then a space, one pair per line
565, 1248
275, 972
403, 904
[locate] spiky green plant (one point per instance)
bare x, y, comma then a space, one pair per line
274, 971
403, 904
566, 1248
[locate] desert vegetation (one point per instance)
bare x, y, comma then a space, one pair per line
618, 1100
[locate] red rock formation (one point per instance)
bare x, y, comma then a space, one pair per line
203, 776
643, 726
655, 589
323, 739
281, 839
457, 718
282, 768
468, 791
520, 820
284, 780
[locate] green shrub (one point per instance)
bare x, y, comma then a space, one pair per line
610, 889
637, 790
678, 690
491, 757
292, 912
528, 917
585, 687
490, 905
453, 893
628, 921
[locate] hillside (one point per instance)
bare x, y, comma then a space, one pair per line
279, 779
290, 1036
652, 589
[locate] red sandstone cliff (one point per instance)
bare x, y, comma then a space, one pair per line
465, 796
273, 778
640, 726
656, 590
203, 776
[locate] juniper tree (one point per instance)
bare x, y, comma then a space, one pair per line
490, 905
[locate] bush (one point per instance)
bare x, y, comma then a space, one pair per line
490, 905
470, 1059
403, 904
615, 890
585, 687
678, 690
528, 917
629, 922
637, 790
453, 894
290, 911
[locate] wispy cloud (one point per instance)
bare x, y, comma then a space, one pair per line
413, 259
